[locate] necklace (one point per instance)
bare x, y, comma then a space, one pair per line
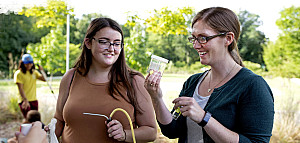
209, 89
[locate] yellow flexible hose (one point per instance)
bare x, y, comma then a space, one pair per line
131, 126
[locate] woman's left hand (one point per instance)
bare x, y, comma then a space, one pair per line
116, 131
189, 108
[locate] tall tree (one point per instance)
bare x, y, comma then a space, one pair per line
167, 22
172, 26
16, 31
51, 50
282, 57
137, 55
81, 25
53, 14
251, 40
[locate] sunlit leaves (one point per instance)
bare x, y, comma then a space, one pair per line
282, 57
51, 51
53, 14
289, 20
135, 44
166, 22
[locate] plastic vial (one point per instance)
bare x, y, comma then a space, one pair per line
176, 113
157, 64
24, 128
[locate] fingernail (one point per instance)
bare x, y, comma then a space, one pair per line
17, 133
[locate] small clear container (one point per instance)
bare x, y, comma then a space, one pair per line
157, 64
24, 128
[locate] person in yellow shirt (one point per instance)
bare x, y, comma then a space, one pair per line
25, 78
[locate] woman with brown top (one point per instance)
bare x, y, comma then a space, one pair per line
99, 83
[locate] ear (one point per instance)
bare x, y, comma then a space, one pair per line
229, 38
88, 43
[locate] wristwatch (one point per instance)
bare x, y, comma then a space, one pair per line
205, 119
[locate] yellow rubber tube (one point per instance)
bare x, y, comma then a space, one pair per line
129, 119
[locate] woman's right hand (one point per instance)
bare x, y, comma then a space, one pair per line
152, 84
25, 104
115, 130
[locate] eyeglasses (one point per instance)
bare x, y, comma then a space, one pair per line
104, 44
203, 40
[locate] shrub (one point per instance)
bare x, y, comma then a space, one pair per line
185, 69
13, 105
197, 67
254, 67
10, 109
180, 64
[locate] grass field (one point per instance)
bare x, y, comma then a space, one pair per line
286, 94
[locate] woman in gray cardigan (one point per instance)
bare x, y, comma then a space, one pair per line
227, 103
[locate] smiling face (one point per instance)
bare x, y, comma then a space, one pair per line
104, 57
214, 50
28, 66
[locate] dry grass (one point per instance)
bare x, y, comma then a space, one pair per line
286, 127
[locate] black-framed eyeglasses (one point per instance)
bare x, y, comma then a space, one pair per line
203, 39
105, 44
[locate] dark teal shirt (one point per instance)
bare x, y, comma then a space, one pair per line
244, 105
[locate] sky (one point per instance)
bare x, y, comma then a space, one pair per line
268, 10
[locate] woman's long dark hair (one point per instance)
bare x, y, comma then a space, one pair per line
124, 73
23, 68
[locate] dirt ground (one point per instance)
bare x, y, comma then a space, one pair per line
7, 130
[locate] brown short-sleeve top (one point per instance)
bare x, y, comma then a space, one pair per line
86, 96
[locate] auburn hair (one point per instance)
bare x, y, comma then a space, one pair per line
222, 20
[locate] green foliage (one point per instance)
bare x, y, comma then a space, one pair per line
50, 53
273, 56
289, 21
135, 50
167, 22
180, 64
16, 31
9, 107
13, 105
164, 33
254, 67
282, 57
75, 52
78, 27
251, 40
159, 45
196, 67
168, 33
53, 14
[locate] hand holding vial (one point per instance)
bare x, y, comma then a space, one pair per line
32, 133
